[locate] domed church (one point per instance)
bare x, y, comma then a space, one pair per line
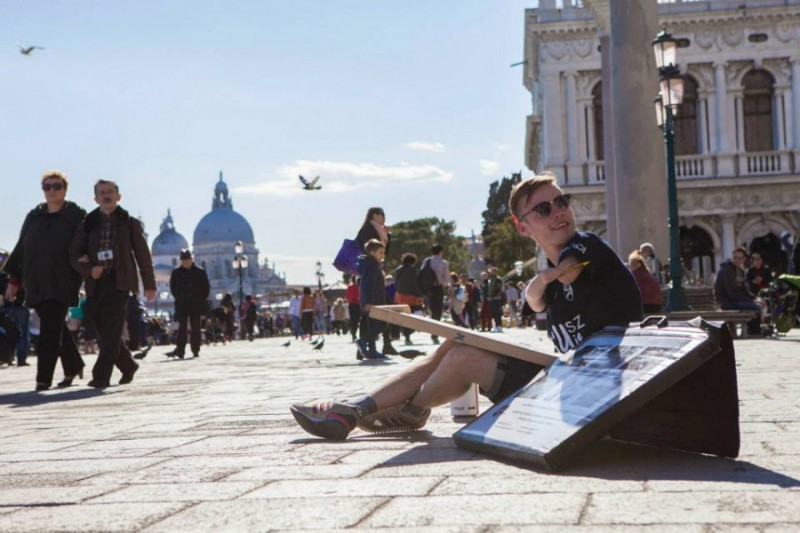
213, 247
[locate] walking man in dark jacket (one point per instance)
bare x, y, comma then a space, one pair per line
190, 288
108, 253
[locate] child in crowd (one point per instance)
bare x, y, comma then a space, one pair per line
372, 292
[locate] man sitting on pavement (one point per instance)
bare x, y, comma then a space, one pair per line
585, 288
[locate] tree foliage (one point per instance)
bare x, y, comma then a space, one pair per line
419, 235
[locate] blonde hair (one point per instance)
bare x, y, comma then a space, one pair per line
636, 261
527, 187
56, 174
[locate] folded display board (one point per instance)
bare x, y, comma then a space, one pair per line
670, 386
401, 316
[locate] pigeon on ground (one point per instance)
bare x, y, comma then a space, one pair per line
142, 354
310, 185
26, 50
316, 341
287, 343
319, 345
410, 354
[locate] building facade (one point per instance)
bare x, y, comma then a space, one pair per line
737, 134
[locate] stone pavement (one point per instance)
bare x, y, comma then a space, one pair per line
208, 444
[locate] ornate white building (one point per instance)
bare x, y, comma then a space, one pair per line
213, 247
737, 132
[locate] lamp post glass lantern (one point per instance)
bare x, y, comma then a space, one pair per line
320, 275
667, 103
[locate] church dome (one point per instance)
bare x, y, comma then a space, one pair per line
168, 242
222, 224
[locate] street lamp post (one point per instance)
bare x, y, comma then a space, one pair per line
320, 275
667, 104
240, 265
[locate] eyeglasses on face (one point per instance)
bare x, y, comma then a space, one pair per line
55, 186
544, 209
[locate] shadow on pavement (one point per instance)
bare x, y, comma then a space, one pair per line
615, 460
32, 398
605, 459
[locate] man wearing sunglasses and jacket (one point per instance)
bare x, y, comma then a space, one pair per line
585, 288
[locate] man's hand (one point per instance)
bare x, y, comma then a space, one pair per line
534, 291
150, 294
97, 271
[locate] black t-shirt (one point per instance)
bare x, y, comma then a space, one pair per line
605, 293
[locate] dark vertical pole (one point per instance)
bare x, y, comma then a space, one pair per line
676, 300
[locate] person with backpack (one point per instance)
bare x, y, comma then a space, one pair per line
434, 279
408, 290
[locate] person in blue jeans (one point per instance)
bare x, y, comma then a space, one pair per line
372, 291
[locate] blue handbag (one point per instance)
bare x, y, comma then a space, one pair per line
347, 257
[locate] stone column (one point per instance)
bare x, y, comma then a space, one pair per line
608, 144
795, 108
574, 166
553, 134
637, 183
719, 124
728, 237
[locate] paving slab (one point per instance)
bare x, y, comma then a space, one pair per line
208, 444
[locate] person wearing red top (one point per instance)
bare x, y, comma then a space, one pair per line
652, 299
353, 296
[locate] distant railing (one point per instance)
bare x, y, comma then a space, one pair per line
754, 163
693, 166
597, 172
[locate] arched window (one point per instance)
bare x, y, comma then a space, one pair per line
757, 110
686, 120
597, 108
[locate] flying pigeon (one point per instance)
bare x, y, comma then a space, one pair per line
287, 343
316, 341
27, 50
310, 185
320, 345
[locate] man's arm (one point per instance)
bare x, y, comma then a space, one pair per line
567, 271
143, 259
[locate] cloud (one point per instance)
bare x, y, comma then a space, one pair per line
338, 176
423, 146
500, 147
489, 168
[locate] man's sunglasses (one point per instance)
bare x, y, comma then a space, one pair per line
54, 186
544, 209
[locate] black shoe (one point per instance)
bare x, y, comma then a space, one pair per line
174, 353
195, 354
127, 377
42, 386
67, 382
23, 363
97, 384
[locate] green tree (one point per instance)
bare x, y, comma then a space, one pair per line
503, 245
506, 246
419, 235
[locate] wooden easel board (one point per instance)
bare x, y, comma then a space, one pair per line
672, 386
401, 316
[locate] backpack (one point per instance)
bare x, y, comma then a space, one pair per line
427, 277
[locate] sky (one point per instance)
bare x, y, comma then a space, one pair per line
412, 106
